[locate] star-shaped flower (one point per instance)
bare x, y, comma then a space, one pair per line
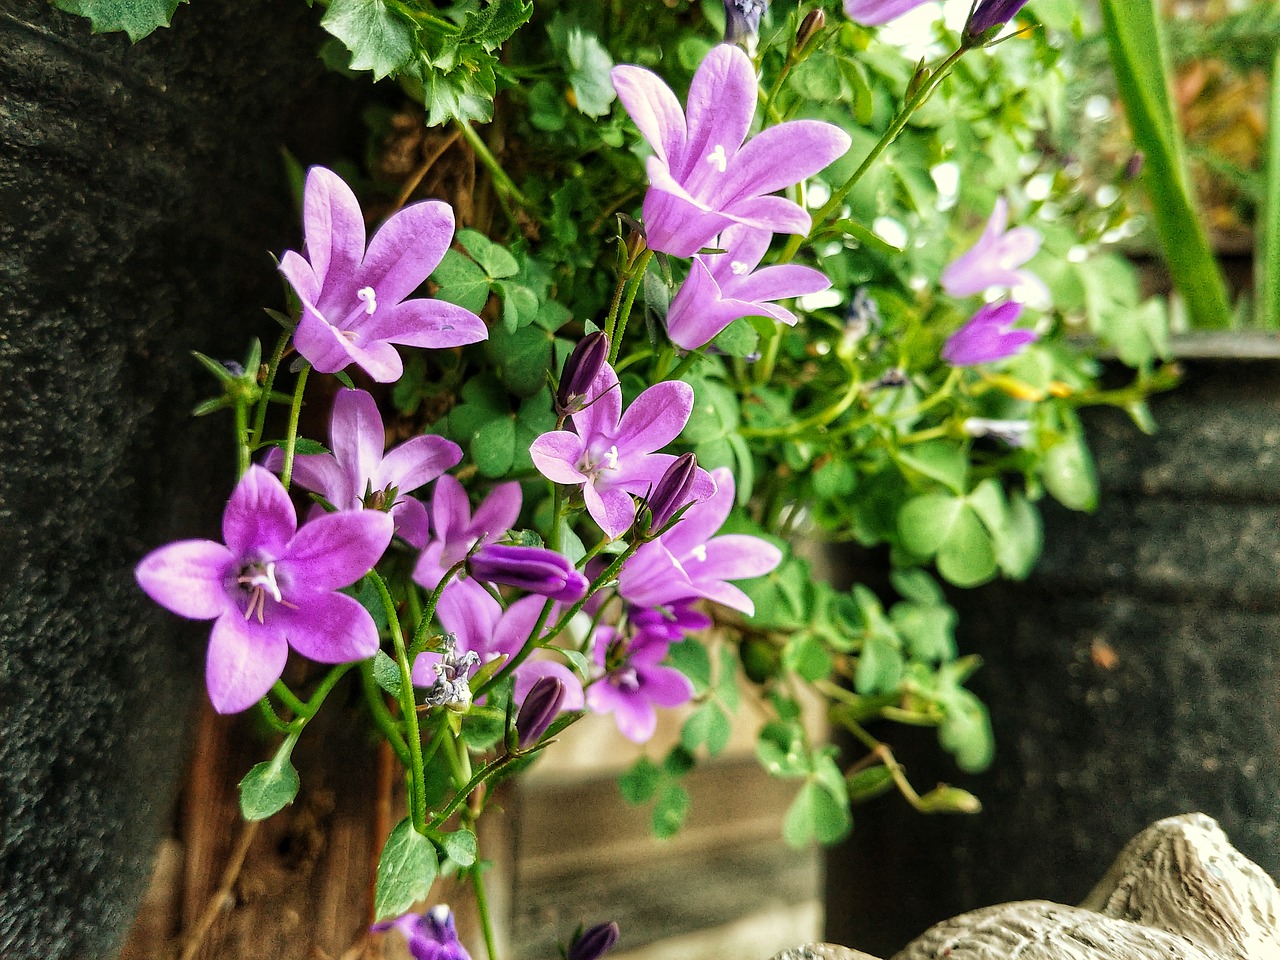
702, 175
876, 12
271, 587
354, 304
987, 336
633, 682
994, 260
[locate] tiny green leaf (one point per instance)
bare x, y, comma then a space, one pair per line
406, 870
271, 785
460, 847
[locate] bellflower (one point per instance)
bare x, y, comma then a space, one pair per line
595, 942
689, 560
990, 15
581, 367
742, 20
633, 682
534, 569
482, 627
354, 304
430, 936
455, 529
543, 703
702, 175
271, 587
610, 453
874, 13
994, 260
987, 336
358, 465
722, 287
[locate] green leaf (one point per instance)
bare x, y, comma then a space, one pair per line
379, 38
806, 656
967, 557
386, 673
590, 64
406, 870
815, 815
670, 811
690, 657
493, 259
460, 847
491, 26
966, 731
939, 461
137, 18
271, 785
925, 522
738, 339
493, 447
707, 725
780, 750
640, 783
880, 665
462, 91
1020, 542
1068, 469
869, 782
461, 282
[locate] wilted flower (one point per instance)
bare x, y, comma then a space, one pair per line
702, 176
1012, 432
431, 935
353, 300
273, 586
452, 684
877, 12
534, 569
594, 942
994, 260
742, 20
358, 467
722, 287
988, 336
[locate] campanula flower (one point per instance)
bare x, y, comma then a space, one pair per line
702, 175
533, 569
271, 587
581, 367
481, 626
594, 942
543, 703
988, 336
722, 287
431, 935
742, 20
876, 12
633, 682
610, 453
673, 492
452, 683
990, 15
455, 529
358, 474
689, 560
354, 304
995, 259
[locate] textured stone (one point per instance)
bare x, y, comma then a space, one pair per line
140, 192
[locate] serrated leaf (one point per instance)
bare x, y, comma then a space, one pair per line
491, 26
379, 38
137, 18
406, 870
463, 92
271, 785
460, 847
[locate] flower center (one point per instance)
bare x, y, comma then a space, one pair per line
258, 579
699, 552
626, 679
369, 298
739, 268
718, 159
608, 461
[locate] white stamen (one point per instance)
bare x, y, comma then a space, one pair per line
718, 159
738, 268
262, 581
611, 458
700, 552
369, 298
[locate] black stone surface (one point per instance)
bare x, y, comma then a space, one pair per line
1135, 676
141, 188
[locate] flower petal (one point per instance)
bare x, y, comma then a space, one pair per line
778, 282
497, 513
656, 417
471, 616
417, 461
769, 213
599, 418
450, 509
720, 108
434, 324
334, 228
335, 550
329, 628
188, 578
778, 157
243, 661
653, 108
300, 276
406, 248
319, 341
613, 510
357, 438
412, 525
259, 517
317, 472
666, 687
531, 671
557, 454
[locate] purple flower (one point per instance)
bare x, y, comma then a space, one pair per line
533, 569
581, 367
673, 492
358, 466
611, 453
594, 943
722, 287
690, 561
270, 588
633, 682
353, 300
742, 20
994, 260
481, 626
877, 12
544, 701
988, 336
455, 530
702, 177
431, 935
990, 15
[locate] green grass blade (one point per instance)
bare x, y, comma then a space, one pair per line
1267, 261
1140, 61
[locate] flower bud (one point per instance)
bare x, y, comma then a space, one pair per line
580, 369
540, 707
672, 491
594, 943
534, 569
810, 27
742, 20
990, 15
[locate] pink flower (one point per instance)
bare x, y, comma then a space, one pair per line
633, 682
455, 530
994, 260
703, 175
354, 304
987, 336
271, 587
876, 12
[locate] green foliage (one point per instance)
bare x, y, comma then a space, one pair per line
270, 786
137, 18
406, 869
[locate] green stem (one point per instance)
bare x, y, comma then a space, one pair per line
816, 421
289, 699
482, 907
408, 709
505, 186
242, 438
260, 421
381, 715
689, 359
291, 437
618, 328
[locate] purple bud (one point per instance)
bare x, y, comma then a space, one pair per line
810, 27
540, 707
580, 369
594, 943
742, 20
1134, 167
534, 569
991, 14
672, 491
